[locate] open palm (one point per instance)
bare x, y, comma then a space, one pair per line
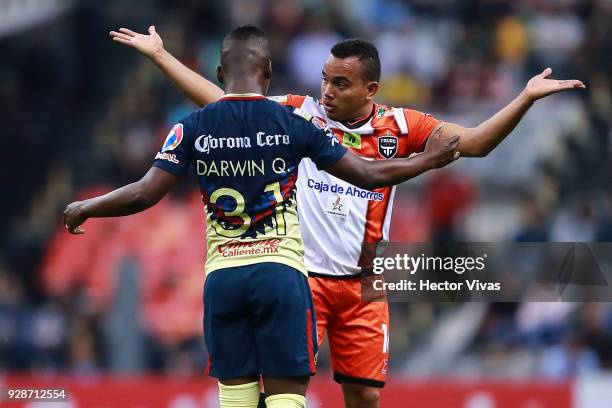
540, 85
146, 44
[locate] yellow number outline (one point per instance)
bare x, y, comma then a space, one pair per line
274, 188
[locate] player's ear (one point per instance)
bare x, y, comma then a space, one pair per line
371, 89
220, 74
268, 71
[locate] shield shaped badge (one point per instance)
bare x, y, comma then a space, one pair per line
387, 146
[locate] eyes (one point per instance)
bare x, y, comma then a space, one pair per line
340, 84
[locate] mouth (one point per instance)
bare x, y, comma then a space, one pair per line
328, 107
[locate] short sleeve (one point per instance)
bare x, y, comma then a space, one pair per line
322, 147
176, 153
420, 126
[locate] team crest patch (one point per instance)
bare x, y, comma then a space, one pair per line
387, 145
174, 138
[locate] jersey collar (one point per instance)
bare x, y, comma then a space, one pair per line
357, 123
242, 97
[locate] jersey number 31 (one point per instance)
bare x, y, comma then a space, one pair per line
236, 232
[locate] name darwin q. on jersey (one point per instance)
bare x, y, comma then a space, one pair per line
247, 172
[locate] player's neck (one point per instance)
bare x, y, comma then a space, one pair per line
363, 115
244, 86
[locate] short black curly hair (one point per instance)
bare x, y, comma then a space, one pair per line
245, 47
365, 51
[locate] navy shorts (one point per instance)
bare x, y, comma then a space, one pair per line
259, 319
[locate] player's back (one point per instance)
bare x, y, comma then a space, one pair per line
245, 151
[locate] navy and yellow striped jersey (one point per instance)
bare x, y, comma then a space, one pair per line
245, 151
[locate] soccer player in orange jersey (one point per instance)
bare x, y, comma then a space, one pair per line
329, 208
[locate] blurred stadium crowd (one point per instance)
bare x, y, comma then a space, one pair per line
83, 114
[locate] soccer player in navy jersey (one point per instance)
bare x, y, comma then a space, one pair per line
259, 318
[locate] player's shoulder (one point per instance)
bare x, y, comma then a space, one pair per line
205, 115
385, 111
422, 121
411, 113
389, 117
288, 111
309, 104
403, 118
201, 112
302, 115
191, 121
283, 114
226, 103
295, 101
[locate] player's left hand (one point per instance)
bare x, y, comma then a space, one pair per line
540, 85
74, 217
147, 44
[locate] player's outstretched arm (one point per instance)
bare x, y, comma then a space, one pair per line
196, 87
371, 174
479, 141
126, 200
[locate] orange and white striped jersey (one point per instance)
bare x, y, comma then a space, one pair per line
337, 218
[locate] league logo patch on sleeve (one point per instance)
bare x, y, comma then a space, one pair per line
174, 138
302, 113
280, 99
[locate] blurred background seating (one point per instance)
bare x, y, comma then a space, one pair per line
84, 115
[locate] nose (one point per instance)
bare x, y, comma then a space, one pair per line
326, 91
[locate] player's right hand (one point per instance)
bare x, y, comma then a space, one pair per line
74, 217
148, 45
441, 151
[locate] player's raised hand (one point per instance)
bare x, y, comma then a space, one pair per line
441, 150
147, 44
540, 85
73, 218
